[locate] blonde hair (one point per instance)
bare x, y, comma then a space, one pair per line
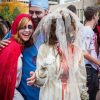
21, 24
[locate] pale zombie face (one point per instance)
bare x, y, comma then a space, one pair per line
26, 31
37, 14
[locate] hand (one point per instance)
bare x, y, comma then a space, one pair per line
4, 43
31, 80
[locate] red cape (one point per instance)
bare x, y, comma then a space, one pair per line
8, 69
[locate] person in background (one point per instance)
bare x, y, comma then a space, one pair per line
97, 32
11, 57
91, 18
37, 10
87, 55
5, 26
97, 41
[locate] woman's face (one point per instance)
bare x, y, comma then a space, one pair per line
26, 32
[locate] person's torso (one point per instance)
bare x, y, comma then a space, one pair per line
89, 38
29, 64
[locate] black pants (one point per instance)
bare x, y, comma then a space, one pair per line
92, 82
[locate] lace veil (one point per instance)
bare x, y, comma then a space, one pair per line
68, 32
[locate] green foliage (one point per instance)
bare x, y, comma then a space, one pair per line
16, 11
7, 15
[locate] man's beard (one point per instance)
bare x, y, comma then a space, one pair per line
36, 21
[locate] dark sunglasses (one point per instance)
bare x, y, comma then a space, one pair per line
36, 12
29, 27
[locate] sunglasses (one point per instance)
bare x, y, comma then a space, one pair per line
27, 27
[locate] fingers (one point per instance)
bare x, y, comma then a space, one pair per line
31, 80
4, 43
31, 73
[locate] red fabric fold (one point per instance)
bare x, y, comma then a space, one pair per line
98, 28
8, 69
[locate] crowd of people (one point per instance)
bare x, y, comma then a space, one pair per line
50, 55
